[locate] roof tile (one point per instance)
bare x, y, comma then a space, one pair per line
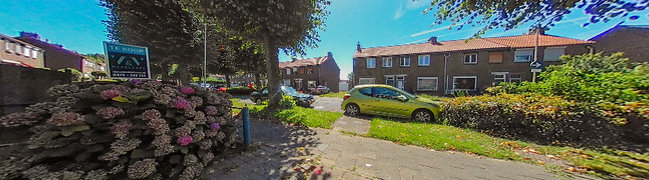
303, 62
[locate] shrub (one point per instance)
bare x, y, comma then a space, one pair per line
544, 119
286, 102
240, 90
138, 129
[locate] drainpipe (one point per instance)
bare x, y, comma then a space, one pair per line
590, 48
446, 55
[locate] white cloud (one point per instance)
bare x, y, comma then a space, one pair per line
400, 12
429, 31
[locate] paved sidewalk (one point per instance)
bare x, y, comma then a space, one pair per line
284, 150
352, 124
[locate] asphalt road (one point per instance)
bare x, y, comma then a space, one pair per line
321, 103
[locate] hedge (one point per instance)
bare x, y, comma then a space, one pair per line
547, 120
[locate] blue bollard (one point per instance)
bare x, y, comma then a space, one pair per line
246, 126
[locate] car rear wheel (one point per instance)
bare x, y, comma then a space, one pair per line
258, 101
352, 110
423, 115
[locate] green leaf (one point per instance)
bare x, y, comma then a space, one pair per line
184, 150
69, 130
122, 99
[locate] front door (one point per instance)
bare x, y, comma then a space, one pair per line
401, 82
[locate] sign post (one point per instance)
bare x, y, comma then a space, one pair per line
535, 67
127, 61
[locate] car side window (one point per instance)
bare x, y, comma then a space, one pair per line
366, 91
264, 91
386, 93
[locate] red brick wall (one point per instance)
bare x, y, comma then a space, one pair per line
631, 41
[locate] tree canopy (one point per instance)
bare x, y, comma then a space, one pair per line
510, 14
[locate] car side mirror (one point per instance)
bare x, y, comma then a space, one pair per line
402, 98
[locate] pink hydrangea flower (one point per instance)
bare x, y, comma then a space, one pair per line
215, 126
184, 140
182, 104
109, 94
211, 110
187, 90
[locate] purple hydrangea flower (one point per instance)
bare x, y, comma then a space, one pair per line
182, 104
187, 90
184, 140
211, 110
215, 126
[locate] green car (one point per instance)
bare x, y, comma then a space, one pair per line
385, 100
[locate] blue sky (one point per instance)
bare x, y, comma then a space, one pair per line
77, 25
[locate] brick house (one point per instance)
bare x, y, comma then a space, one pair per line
304, 73
56, 57
630, 39
470, 66
19, 53
92, 66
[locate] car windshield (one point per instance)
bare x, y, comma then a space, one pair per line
289, 90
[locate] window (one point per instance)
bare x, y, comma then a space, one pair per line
309, 71
295, 70
387, 62
301, 70
366, 81
471, 58
311, 84
8, 47
404, 62
288, 70
287, 82
465, 83
553, 53
427, 84
381, 92
515, 78
19, 49
371, 63
424, 60
523, 55
499, 77
366, 91
27, 51
495, 57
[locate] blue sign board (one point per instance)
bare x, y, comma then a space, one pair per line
536, 65
127, 61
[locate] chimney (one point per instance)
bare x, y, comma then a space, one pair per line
329, 55
30, 35
433, 40
540, 29
358, 46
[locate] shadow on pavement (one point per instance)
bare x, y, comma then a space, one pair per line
277, 155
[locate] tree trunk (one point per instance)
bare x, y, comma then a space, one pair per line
257, 81
272, 66
227, 80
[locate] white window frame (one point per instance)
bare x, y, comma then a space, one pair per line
419, 88
545, 53
373, 63
27, 51
390, 77
475, 83
404, 61
503, 78
471, 60
530, 56
19, 49
294, 70
372, 80
288, 71
34, 53
512, 79
424, 58
8, 48
387, 62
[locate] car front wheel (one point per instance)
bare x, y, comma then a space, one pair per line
352, 110
258, 101
422, 115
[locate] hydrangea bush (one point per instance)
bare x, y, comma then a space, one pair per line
135, 130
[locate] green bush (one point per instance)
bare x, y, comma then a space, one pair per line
240, 90
544, 119
286, 102
131, 130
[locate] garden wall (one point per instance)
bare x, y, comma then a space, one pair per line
20, 86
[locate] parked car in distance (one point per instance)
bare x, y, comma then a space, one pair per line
319, 90
304, 100
385, 100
